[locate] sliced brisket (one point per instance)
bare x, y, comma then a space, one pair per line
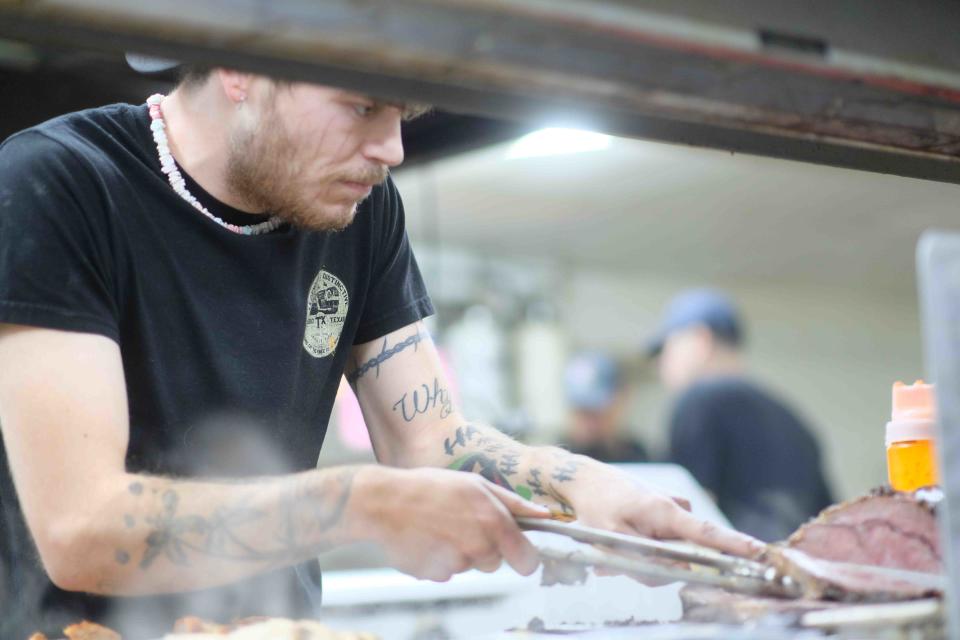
887, 529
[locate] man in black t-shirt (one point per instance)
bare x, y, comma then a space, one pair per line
182, 286
757, 458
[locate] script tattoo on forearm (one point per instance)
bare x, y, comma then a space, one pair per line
304, 513
424, 399
373, 364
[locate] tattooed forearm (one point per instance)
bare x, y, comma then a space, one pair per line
561, 501
302, 513
503, 461
509, 463
537, 488
566, 471
470, 437
535, 484
462, 436
385, 354
483, 465
423, 400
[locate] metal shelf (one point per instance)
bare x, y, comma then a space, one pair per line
868, 84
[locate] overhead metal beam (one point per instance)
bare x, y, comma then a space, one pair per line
675, 71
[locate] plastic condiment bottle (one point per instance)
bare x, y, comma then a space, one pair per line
911, 456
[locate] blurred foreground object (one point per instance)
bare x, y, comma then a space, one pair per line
876, 96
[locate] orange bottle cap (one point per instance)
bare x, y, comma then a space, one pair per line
913, 415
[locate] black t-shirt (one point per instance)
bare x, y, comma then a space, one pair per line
233, 346
752, 452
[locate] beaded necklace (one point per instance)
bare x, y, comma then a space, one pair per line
169, 166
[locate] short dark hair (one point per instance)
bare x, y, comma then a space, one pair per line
193, 76
731, 337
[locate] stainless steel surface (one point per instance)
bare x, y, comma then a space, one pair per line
637, 544
938, 268
821, 82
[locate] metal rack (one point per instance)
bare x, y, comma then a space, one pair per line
868, 84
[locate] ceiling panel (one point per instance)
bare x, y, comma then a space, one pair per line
681, 210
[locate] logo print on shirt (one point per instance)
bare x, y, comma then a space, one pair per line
327, 306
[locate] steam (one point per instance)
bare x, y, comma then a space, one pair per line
224, 447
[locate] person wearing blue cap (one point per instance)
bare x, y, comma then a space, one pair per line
597, 393
747, 447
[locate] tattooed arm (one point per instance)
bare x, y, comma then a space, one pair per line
100, 529
413, 421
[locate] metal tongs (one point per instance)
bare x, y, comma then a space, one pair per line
703, 566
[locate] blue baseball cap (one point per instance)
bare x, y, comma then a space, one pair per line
591, 380
708, 307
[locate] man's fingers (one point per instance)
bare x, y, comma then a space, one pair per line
512, 544
708, 534
516, 505
518, 551
488, 564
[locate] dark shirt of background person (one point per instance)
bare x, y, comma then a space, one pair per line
752, 453
748, 448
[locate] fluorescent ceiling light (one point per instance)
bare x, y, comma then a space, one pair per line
556, 142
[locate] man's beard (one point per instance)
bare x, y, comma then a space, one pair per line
264, 170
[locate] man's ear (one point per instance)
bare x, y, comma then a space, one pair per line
235, 84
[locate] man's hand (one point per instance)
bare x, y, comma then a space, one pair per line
434, 523
607, 498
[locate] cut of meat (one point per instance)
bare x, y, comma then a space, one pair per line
83, 631
825, 579
90, 631
885, 528
192, 628
193, 624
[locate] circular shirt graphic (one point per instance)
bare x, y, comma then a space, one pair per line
327, 306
